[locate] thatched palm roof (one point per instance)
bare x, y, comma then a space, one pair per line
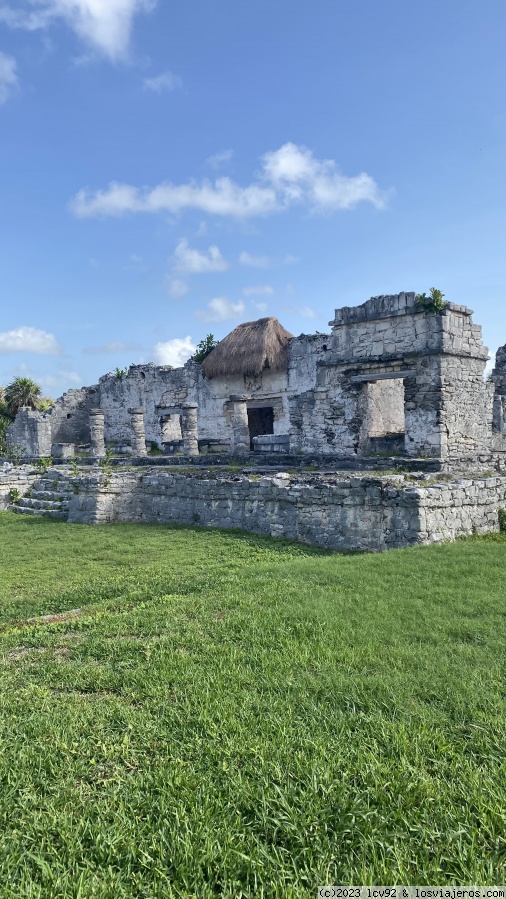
248, 349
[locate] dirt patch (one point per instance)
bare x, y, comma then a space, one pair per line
55, 618
24, 652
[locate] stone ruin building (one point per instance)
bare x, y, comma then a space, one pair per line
395, 394
390, 379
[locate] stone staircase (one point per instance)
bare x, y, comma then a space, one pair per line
50, 495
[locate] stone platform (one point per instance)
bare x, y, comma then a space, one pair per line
334, 510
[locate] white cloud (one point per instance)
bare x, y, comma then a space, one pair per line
188, 260
290, 259
177, 288
166, 81
220, 309
60, 379
29, 340
104, 24
112, 348
8, 76
290, 175
173, 352
261, 306
299, 177
218, 159
307, 312
254, 261
262, 290
221, 198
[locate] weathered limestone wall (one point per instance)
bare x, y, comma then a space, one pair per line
350, 513
158, 389
335, 398
466, 408
20, 478
450, 510
67, 421
30, 434
498, 381
440, 358
70, 415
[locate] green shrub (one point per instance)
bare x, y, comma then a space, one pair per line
432, 304
43, 463
154, 449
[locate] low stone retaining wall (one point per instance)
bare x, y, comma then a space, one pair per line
358, 513
337, 511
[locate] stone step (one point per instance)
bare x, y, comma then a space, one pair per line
54, 495
49, 486
49, 513
31, 502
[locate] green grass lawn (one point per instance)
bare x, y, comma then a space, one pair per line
241, 717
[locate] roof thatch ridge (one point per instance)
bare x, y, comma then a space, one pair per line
248, 349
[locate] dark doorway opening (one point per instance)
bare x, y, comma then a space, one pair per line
260, 421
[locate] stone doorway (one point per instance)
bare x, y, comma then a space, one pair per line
383, 424
260, 422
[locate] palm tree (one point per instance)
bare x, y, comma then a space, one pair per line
21, 392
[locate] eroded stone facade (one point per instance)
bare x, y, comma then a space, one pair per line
388, 378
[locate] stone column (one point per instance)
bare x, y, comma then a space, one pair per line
189, 428
240, 424
138, 432
97, 433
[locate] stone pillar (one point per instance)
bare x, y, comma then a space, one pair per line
138, 432
240, 424
189, 428
97, 433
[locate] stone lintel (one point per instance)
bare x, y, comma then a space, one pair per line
275, 401
384, 375
169, 410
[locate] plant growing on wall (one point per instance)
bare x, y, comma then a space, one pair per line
120, 372
45, 403
204, 348
432, 304
44, 463
105, 465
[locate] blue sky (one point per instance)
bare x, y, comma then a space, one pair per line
169, 169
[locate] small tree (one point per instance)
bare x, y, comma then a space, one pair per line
204, 348
21, 392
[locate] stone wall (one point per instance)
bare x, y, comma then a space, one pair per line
440, 359
361, 513
20, 478
160, 390
387, 369
498, 381
66, 422
70, 415
30, 434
